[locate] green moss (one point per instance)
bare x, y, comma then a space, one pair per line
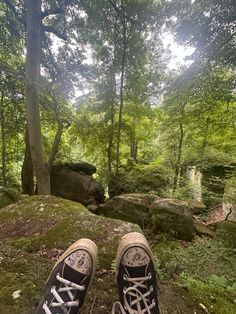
21, 271
226, 230
39, 225
42, 207
7, 215
205, 267
8, 196
64, 222
216, 295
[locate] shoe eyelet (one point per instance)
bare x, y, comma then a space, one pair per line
53, 288
45, 303
124, 290
149, 276
153, 302
151, 289
125, 277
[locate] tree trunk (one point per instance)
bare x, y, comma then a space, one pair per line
27, 172
123, 60
110, 142
55, 145
179, 156
133, 143
33, 45
204, 144
134, 149
112, 79
3, 138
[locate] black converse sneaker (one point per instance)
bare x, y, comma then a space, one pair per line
70, 279
136, 277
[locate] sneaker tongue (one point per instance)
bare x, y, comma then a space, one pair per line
80, 261
73, 275
135, 257
135, 272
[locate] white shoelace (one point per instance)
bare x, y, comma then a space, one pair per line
133, 291
58, 301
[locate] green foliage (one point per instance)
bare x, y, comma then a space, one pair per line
205, 268
12, 115
201, 259
203, 107
140, 179
216, 295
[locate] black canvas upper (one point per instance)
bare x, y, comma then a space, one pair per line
72, 275
134, 272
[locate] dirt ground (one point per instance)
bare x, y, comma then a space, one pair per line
172, 299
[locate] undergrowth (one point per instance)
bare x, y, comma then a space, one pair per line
206, 268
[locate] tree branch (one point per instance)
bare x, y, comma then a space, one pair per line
50, 29
55, 145
120, 10
10, 4
54, 11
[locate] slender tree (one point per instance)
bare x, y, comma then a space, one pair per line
3, 135
33, 44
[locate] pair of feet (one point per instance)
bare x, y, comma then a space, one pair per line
71, 277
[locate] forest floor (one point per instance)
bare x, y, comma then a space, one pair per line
193, 277
172, 298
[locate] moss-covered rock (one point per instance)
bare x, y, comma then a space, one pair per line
226, 230
8, 196
203, 229
132, 207
34, 232
47, 222
196, 207
24, 273
70, 183
174, 217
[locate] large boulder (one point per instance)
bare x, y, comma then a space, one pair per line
67, 182
34, 232
84, 167
129, 207
229, 203
173, 216
226, 230
8, 196
166, 215
202, 229
213, 182
196, 207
